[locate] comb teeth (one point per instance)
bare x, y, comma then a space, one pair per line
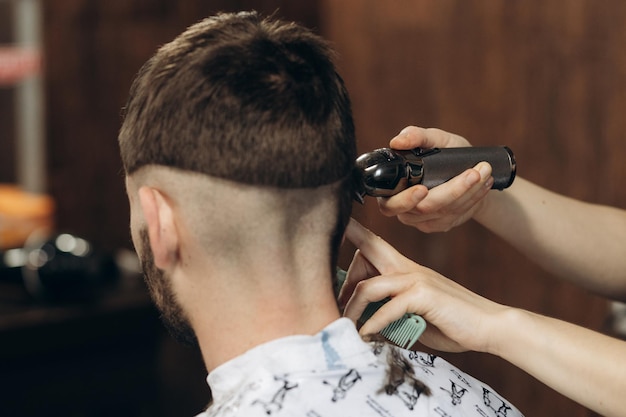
403, 332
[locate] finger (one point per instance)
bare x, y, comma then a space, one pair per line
389, 312
455, 193
379, 253
429, 220
396, 309
403, 201
356, 306
473, 195
360, 269
458, 190
405, 300
435, 199
376, 289
444, 196
414, 137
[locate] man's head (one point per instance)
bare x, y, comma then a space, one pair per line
236, 103
244, 99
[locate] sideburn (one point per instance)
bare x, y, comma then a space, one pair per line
160, 287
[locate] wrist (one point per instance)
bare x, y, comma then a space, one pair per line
511, 328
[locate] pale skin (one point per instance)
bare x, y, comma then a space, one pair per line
577, 362
241, 282
575, 240
551, 229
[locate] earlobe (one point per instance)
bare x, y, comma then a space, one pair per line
162, 231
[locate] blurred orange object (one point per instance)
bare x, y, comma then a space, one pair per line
17, 63
21, 214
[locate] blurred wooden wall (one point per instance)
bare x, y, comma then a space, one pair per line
547, 78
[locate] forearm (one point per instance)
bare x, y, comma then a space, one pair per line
588, 367
577, 241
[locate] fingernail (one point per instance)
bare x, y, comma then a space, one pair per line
489, 182
484, 170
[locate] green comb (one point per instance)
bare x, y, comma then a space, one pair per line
403, 332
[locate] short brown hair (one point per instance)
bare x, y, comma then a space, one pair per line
244, 98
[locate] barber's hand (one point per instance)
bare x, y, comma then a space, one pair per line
447, 205
457, 318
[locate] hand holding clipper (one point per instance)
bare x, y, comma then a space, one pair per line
386, 172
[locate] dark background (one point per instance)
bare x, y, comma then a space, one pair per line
547, 78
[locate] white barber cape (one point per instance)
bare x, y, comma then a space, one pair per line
336, 373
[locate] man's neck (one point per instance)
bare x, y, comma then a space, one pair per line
230, 321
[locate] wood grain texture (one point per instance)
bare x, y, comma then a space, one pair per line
547, 79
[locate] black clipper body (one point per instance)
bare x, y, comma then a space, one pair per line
385, 172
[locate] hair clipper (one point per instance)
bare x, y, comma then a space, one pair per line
385, 172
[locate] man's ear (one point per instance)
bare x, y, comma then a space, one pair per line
162, 232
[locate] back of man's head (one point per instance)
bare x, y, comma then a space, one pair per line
245, 99
242, 98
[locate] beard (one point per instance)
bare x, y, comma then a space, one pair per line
161, 292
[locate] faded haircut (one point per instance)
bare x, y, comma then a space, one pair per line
248, 99
243, 98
